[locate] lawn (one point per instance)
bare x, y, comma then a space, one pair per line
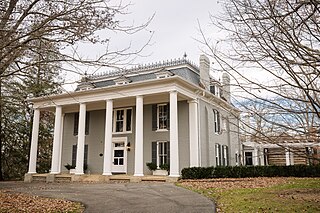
260, 194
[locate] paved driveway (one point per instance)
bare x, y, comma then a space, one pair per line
120, 197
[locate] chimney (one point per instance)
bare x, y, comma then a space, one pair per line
204, 71
226, 86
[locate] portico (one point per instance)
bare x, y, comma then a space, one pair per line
137, 96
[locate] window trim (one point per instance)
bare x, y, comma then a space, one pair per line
167, 154
217, 121
158, 117
124, 120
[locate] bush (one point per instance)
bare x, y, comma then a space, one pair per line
151, 166
252, 171
165, 167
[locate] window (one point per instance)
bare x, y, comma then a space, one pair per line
76, 123
218, 154
160, 117
216, 116
248, 158
74, 155
161, 153
215, 89
122, 120
225, 156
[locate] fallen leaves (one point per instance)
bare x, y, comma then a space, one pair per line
234, 183
18, 202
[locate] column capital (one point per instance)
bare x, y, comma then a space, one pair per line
139, 96
193, 101
173, 91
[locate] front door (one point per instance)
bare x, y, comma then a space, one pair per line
119, 156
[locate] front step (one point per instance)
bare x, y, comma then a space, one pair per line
39, 178
63, 178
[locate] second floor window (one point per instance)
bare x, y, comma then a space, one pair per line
216, 117
76, 123
163, 116
160, 117
122, 120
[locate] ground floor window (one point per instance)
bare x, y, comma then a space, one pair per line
248, 158
161, 153
74, 155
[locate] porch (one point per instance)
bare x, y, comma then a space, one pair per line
95, 178
137, 137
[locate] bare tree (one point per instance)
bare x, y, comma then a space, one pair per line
63, 24
38, 39
272, 52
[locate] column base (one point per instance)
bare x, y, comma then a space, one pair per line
174, 175
28, 177
107, 173
54, 173
32, 173
79, 173
138, 175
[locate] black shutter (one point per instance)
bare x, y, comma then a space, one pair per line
227, 157
74, 155
75, 123
85, 154
168, 152
154, 117
222, 155
154, 152
219, 150
218, 121
168, 116
87, 123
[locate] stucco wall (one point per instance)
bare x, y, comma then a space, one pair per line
95, 139
208, 137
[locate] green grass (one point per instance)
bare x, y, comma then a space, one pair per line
300, 195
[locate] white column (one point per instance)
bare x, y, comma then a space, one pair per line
193, 133
56, 141
107, 158
174, 147
287, 151
81, 139
138, 155
61, 136
34, 142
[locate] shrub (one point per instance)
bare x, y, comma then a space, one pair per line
252, 171
165, 167
151, 166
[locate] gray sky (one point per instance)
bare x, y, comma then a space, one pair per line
175, 28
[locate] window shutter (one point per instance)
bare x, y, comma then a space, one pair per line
219, 148
218, 121
75, 123
74, 155
169, 153
227, 157
87, 122
154, 152
154, 117
168, 116
86, 154
223, 160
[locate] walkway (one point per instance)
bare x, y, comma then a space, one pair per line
120, 197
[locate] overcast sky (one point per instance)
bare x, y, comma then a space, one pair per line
174, 27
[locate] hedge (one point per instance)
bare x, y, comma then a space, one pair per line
252, 171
